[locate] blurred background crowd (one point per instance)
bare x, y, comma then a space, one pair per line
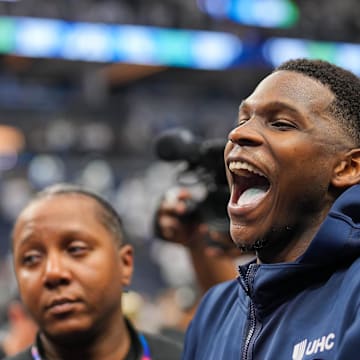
87, 86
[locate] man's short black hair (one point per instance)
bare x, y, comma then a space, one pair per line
343, 84
108, 215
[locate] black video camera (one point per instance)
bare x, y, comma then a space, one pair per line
205, 166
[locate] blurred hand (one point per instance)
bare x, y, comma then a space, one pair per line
171, 223
176, 222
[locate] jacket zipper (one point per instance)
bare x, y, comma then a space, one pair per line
249, 276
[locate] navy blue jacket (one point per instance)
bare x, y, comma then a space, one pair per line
307, 309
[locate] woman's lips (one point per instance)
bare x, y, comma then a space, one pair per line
62, 306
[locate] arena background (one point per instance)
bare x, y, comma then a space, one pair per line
86, 86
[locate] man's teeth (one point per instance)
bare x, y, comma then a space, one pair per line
241, 165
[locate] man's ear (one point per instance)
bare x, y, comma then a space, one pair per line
126, 261
347, 172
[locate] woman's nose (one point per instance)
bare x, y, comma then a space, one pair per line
56, 272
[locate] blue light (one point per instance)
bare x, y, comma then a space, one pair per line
215, 51
348, 57
113, 43
89, 42
215, 8
277, 50
262, 13
134, 44
174, 47
270, 13
37, 37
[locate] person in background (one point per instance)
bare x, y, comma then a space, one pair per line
213, 254
72, 264
293, 166
20, 329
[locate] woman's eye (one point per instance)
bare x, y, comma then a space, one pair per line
31, 259
77, 249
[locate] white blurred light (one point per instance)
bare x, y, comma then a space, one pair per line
270, 13
348, 57
130, 200
185, 296
276, 51
46, 170
96, 136
90, 42
15, 194
174, 262
132, 303
60, 135
98, 176
38, 37
215, 51
135, 43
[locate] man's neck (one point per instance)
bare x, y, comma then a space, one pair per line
286, 245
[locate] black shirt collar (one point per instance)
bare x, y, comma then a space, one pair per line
134, 353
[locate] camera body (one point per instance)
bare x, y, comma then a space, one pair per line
204, 169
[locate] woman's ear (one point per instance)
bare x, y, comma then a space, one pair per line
347, 172
126, 261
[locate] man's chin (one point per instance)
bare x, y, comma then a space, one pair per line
253, 246
249, 240
246, 239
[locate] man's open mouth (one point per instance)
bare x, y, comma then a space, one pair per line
250, 184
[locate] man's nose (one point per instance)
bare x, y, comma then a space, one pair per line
247, 134
56, 272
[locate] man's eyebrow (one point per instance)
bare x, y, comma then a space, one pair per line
273, 105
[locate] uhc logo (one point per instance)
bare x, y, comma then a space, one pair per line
299, 350
307, 347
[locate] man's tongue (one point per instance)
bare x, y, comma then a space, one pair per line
252, 195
